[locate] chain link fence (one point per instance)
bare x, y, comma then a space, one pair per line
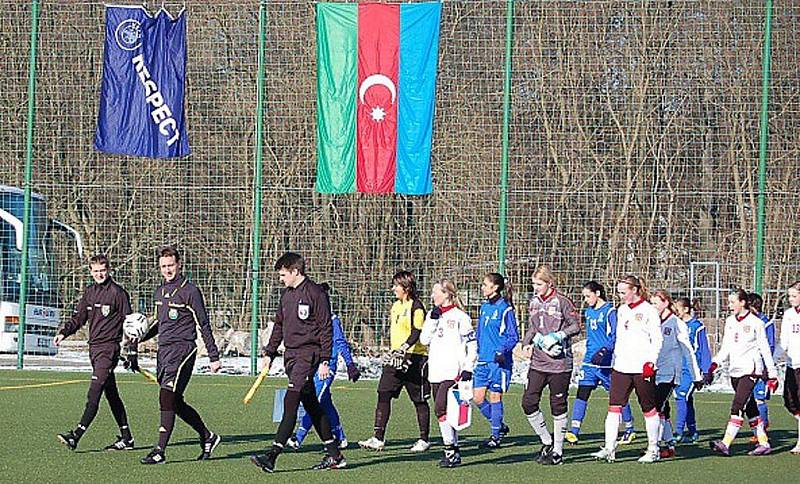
634, 137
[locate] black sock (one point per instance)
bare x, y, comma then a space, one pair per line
382, 412
424, 420
290, 404
165, 430
125, 431
189, 415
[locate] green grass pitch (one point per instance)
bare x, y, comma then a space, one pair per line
33, 413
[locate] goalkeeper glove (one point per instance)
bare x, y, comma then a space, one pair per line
436, 312
554, 351
537, 340
466, 375
499, 358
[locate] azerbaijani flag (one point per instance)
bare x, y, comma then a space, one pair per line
376, 80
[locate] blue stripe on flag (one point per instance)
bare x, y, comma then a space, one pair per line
419, 54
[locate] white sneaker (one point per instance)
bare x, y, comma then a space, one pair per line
292, 443
796, 449
606, 455
420, 446
650, 457
372, 443
343, 444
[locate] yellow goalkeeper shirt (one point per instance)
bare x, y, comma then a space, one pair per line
403, 315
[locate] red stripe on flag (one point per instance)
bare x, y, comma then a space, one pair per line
378, 66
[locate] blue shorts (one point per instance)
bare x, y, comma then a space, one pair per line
760, 391
685, 390
591, 376
491, 376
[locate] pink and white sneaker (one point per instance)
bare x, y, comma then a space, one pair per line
760, 450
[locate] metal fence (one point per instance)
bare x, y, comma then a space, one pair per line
633, 147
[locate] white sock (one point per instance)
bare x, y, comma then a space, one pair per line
536, 420
559, 428
448, 434
797, 417
652, 424
612, 428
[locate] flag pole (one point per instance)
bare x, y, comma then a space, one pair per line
26, 211
255, 258
501, 245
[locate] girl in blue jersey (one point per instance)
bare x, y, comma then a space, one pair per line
684, 393
497, 335
601, 326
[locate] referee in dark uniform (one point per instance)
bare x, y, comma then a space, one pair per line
179, 308
104, 306
303, 323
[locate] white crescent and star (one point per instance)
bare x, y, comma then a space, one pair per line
378, 113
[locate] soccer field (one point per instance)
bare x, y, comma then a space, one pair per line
38, 404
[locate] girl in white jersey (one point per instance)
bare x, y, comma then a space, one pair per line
452, 352
638, 342
675, 348
790, 343
746, 349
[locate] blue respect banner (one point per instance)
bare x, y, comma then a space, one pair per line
144, 74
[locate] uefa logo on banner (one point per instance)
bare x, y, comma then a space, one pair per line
129, 34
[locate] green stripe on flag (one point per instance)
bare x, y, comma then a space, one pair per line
337, 76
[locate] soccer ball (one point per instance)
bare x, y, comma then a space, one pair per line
135, 325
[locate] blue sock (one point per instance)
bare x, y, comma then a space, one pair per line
691, 421
680, 416
302, 430
578, 414
763, 412
486, 409
497, 418
627, 416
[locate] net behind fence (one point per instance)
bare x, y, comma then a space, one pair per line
633, 148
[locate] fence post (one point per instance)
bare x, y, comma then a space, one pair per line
762, 146
255, 257
26, 211
501, 245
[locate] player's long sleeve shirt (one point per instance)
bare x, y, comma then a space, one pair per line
451, 344
699, 340
340, 345
638, 337
790, 337
745, 347
104, 306
496, 331
551, 314
675, 349
302, 321
179, 310
601, 326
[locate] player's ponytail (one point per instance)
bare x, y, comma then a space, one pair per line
596, 288
741, 295
666, 297
697, 307
503, 286
450, 289
638, 283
